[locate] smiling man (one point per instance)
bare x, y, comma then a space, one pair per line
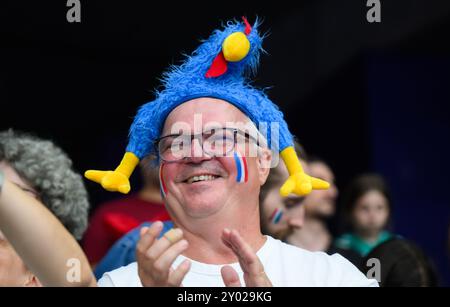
211, 176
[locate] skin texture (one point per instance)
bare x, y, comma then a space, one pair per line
219, 219
13, 271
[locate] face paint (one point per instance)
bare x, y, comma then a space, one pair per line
162, 184
241, 167
275, 217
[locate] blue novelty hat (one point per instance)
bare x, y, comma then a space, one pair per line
218, 68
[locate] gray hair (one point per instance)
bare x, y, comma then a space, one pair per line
49, 170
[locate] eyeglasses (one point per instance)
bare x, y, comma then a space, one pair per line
218, 142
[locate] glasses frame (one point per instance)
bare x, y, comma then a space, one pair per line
196, 136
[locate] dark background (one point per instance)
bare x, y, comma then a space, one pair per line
363, 96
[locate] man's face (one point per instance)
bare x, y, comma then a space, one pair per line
12, 269
321, 202
218, 190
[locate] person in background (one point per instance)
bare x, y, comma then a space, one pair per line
44, 172
281, 215
319, 207
367, 205
114, 219
402, 264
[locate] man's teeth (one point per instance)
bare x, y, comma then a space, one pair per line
201, 178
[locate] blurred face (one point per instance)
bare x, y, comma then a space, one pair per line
321, 202
202, 185
281, 214
371, 213
12, 269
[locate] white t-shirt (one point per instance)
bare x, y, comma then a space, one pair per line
284, 264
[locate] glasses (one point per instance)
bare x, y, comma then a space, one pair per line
218, 142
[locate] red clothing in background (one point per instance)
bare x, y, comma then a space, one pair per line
114, 219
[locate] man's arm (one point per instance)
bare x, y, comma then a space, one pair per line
42, 242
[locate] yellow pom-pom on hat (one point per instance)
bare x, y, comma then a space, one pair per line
235, 47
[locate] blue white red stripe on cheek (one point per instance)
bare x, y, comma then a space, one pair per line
275, 217
241, 168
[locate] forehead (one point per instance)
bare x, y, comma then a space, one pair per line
204, 112
320, 169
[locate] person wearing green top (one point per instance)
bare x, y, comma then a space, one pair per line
367, 205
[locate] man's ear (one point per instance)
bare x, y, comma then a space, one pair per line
264, 162
32, 281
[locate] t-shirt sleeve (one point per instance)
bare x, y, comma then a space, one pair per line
105, 281
347, 275
126, 276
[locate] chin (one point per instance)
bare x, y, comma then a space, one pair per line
202, 205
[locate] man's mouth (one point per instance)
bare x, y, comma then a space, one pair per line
200, 178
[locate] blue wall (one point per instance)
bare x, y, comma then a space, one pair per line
410, 133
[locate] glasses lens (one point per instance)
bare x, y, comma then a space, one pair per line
174, 148
218, 142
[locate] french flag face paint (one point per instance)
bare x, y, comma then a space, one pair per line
241, 167
276, 216
162, 184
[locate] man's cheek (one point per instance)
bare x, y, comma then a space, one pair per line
241, 167
162, 180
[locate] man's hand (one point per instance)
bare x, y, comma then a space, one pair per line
155, 257
254, 275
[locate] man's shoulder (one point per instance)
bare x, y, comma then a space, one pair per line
318, 268
288, 250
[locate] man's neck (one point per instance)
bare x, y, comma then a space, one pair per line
205, 240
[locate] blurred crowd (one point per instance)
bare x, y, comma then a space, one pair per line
355, 221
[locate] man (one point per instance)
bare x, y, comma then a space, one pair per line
210, 181
319, 206
321, 203
281, 216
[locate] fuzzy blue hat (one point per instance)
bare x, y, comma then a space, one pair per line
219, 69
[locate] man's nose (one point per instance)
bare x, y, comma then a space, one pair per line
197, 155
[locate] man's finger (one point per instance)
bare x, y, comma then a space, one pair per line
246, 252
287, 187
166, 259
230, 277
149, 236
95, 176
169, 238
176, 276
